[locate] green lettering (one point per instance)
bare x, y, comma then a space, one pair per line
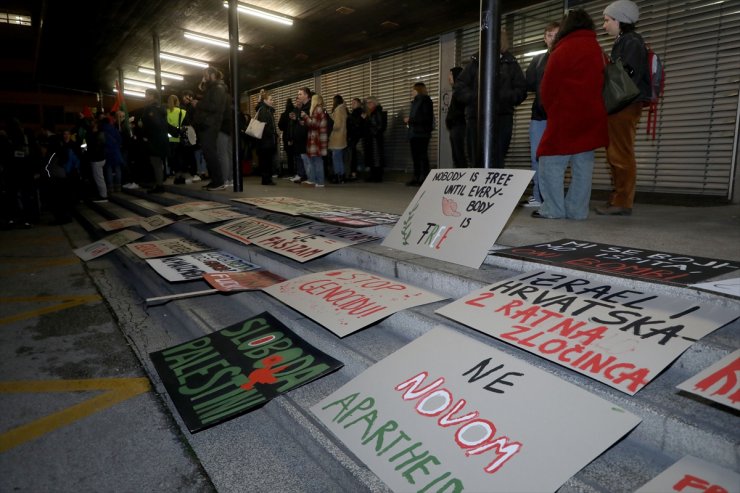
247, 328
231, 371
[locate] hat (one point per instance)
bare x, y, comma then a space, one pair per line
623, 11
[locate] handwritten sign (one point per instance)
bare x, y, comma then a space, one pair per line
621, 337
719, 383
447, 413
646, 265
457, 214
192, 267
242, 281
729, 287
124, 222
299, 245
155, 222
347, 300
693, 475
163, 248
246, 229
106, 245
214, 215
352, 217
285, 205
224, 374
182, 209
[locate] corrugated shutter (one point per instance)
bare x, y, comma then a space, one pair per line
349, 82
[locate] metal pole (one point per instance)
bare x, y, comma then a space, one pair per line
234, 69
488, 68
157, 64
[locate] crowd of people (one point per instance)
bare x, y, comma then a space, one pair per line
190, 138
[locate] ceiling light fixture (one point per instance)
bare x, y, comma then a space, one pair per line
135, 94
534, 53
263, 14
209, 39
181, 59
166, 75
140, 83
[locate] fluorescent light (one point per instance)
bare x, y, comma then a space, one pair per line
140, 83
166, 75
534, 53
209, 39
263, 14
182, 59
135, 94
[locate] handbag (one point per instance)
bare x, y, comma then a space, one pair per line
255, 128
619, 90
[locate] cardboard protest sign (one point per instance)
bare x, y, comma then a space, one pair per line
192, 267
107, 244
346, 300
248, 228
285, 205
155, 222
646, 265
353, 217
729, 287
621, 337
338, 233
182, 209
214, 215
229, 372
124, 222
691, 474
447, 413
242, 281
457, 214
163, 248
719, 383
287, 221
298, 245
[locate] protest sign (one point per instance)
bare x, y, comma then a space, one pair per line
107, 244
155, 222
287, 221
299, 245
447, 413
163, 248
353, 217
248, 228
242, 281
646, 265
728, 287
229, 372
457, 214
621, 337
124, 222
214, 215
285, 205
691, 475
338, 233
347, 300
719, 383
192, 267
182, 209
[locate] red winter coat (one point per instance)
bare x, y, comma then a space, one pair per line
571, 95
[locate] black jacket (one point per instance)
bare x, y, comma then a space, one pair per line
535, 72
421, 117
630, 47
266, 114
510, 91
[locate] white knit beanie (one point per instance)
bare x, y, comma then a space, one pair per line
623, 11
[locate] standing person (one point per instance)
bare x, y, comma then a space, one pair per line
455, 123
576, 118
535, 72
154, 134
188, 144
338, 137
355, 131
267, 145
209, 114
113, 156
318, 139
286, 125
376, 121
619, 21
175, 117
95, 140
223, 143
420, 123
300, 136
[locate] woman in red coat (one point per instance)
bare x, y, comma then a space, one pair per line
576, 118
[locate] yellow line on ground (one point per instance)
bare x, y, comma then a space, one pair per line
67, 302
118, 390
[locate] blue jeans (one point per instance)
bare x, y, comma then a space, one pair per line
317, 169
337, 161
551, 173
536, 130
307, 167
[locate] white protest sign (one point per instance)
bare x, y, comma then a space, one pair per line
163, 248
723, 286
719, 383
346, 300
182, 209
334, 232
621, 337
286, 205
448, 413
214, 215
299, 245
193, 266
691, 475
155, 222
248, 228
124, 222
457, 214
107, 244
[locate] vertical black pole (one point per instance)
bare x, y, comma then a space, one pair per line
157, 64
234, 70
120, 80
490, 27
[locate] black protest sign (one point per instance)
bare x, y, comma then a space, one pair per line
222, 375
646, 265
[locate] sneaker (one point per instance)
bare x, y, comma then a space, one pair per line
229, 183
320, 185
188, 181
216, 188
195, 179
533, 202
309, 183
131, 186
296, 179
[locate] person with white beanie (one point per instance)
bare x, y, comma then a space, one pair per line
620, 18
